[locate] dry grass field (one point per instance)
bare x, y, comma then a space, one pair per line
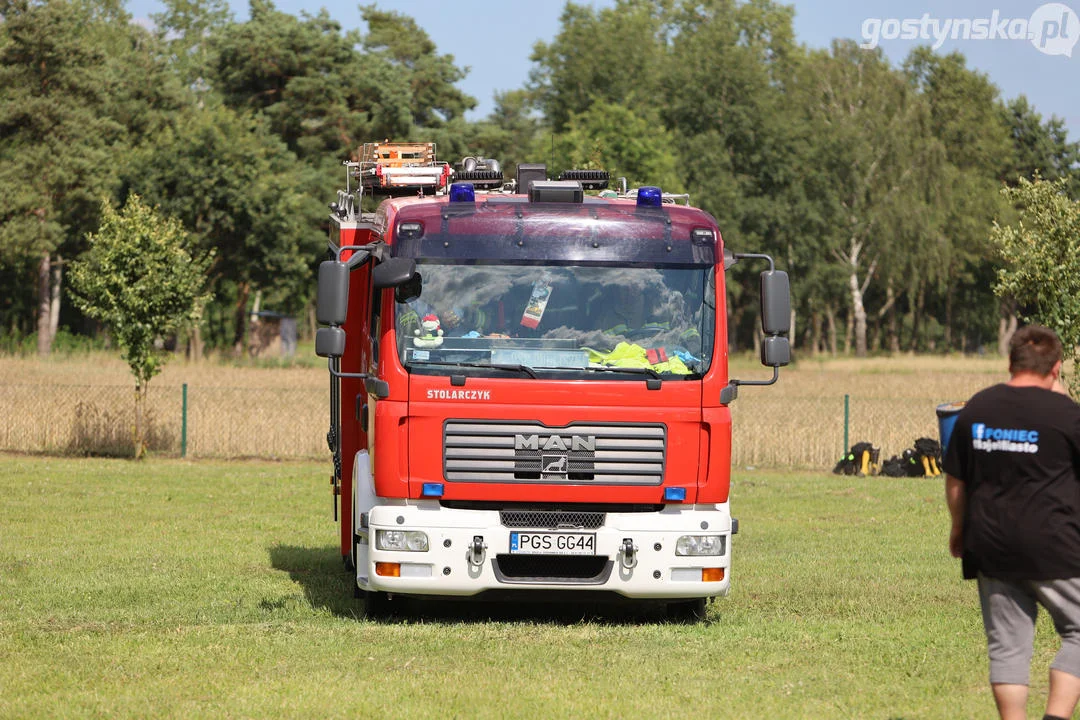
81, 405
799, 422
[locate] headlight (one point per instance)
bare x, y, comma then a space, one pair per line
406, 540
700, 545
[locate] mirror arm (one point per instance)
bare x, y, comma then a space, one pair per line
335, 373
357, 260
759, 256
775, 377
361, 253
731, 391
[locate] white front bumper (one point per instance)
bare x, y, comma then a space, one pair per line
450, 567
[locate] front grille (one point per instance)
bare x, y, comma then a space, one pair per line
551, 519
569, 569
510, 451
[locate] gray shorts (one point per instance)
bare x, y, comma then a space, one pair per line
1009, 608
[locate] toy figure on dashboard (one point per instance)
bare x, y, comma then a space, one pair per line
429, 334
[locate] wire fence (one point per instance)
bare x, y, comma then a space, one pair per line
189, 421
769, 430
776, 431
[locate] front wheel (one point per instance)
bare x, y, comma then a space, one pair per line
379, 605
686, 611
350, 566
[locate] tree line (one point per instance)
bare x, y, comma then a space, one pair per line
876, 186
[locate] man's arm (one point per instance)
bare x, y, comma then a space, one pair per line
955, 497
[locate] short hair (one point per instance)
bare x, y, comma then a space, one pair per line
1035, 349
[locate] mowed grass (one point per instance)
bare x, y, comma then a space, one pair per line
211, 589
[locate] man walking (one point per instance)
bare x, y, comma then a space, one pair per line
1013, 491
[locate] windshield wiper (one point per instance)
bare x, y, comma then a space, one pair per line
484, 366
615, 368
526, 370
611, 368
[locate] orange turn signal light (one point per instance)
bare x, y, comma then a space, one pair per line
712, 574
393, 569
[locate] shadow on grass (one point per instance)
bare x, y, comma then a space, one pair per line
321, 574
328, 585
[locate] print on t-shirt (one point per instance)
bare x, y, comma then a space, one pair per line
989, 439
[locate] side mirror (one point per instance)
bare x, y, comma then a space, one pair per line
393, 272
409, 289
775, 351
775, 322
775, 303
332, 299
330, 342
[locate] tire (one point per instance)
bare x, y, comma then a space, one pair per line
379, 606
686, 612
350, 566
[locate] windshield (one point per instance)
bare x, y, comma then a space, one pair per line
531, 319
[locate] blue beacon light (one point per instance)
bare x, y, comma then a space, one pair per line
462, 192
650, 196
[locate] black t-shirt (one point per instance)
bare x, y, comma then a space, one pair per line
1017, 450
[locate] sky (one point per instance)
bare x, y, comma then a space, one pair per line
494, 38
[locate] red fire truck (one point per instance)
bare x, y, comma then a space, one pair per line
529, 391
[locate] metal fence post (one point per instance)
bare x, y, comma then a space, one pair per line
847, 416
183, 424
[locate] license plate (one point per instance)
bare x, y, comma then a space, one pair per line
540, 543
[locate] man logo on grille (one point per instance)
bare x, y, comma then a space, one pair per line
555, 442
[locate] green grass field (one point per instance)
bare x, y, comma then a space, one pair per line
174, 589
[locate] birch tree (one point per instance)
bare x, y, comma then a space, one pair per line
867, 122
